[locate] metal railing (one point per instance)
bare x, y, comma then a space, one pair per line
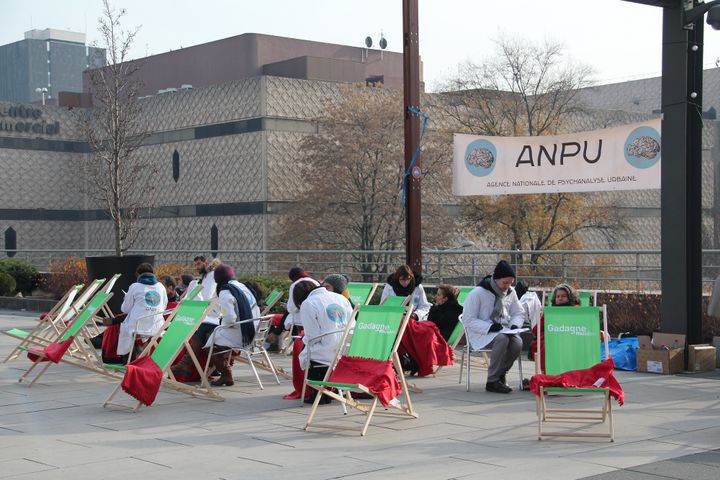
589, 269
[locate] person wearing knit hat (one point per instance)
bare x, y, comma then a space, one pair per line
503, 270
491, 314
336, 282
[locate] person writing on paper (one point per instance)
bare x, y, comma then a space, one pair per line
491, 313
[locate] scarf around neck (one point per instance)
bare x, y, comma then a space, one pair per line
488, 283
147, 279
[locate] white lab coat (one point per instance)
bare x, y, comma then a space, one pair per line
477, 310
293, 318
227, 306
323, 312
532, 306
144, 305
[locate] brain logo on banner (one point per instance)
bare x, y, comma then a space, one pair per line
480, 158
642, 147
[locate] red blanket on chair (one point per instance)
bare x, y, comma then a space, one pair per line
379, 376
599, 375
53, 352
423, 342
142, 380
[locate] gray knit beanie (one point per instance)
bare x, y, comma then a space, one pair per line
337, 282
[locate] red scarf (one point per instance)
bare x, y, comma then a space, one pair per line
599, 375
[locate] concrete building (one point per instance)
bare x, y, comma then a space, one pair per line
225, 150
50, 59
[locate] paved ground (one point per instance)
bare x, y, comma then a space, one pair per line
669, 428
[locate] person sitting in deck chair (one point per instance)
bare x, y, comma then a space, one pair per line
321, 312
491, 307
563, 296
405, 282
144, 303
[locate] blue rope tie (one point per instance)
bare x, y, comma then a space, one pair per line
424, 116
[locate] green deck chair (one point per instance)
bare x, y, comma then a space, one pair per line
376, 334
463, 295
175, 334
47, 328
361, 293
81, 353
571, 338
271, 300
396, 301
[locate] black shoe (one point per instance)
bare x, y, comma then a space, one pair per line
497, 387
274, 348
97, 341
503, 379
323, 401
526, 384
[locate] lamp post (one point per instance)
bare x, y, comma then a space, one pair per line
681, 168
43, 91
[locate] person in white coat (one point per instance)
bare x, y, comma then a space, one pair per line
491, 312
405, 282
234, 307
321, 312
530, 303
297, 275
144, 304
186, 368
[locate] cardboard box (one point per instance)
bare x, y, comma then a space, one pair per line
665, 353
701, 358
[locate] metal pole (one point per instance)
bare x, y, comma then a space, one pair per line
411, 84
681, 175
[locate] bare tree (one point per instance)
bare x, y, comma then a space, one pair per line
116, 176
525, 89
352, 172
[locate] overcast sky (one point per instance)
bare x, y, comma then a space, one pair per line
620, 40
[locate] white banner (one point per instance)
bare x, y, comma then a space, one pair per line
620, 158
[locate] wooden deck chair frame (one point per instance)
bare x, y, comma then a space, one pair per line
166, 353
255, 348
468, 352
395, 301
82, 353
274, 297
327, 364
365, 295
588, 416
50, 328
326, 387
46, 326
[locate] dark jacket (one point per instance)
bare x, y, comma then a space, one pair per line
445, 316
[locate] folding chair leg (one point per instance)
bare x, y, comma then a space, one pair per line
369, 416
252, 365
315, 405
467, 378
40, 373
270, 364
462, 364
520, 368
112, 395
304, 386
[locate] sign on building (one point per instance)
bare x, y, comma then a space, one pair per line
620, 158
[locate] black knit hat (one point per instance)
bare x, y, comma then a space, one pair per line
503, 269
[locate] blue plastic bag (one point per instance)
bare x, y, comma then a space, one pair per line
623, 352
